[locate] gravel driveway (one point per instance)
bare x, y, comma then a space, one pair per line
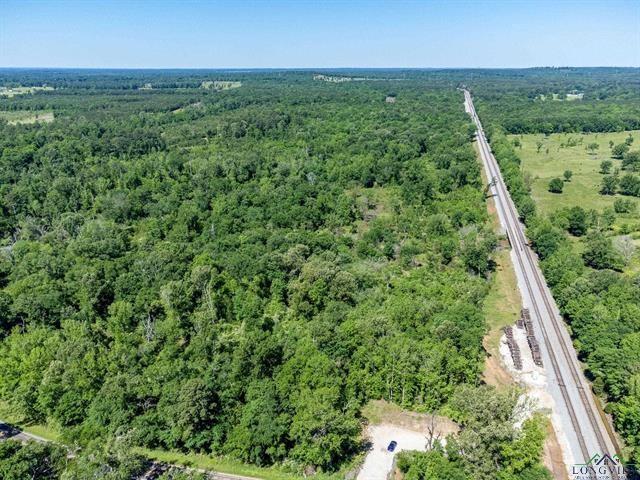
379, 461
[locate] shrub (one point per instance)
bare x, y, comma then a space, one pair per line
609, 184
605, 166
556, 185
619, 150
624, 205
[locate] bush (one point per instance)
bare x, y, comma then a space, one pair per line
578, 221
556, 185
609, 184
545, 238
630, 185
619, 150
31, 460
600, 254
631, 161
624, 205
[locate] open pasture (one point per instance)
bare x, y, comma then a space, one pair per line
568, 151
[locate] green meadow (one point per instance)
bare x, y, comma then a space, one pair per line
568, 151
556, 156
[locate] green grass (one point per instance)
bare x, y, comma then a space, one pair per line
583, 189
584, 186
380, 411
224, 465
502, 305
45, 431
26, 116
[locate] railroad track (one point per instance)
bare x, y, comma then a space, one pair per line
537, 290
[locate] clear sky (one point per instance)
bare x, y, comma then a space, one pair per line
304, 33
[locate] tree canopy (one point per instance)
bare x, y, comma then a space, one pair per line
238, 272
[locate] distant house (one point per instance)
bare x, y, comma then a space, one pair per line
390, 99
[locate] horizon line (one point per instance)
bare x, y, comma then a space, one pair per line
557, 67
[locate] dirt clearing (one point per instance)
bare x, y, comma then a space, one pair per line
411, 430
26, 116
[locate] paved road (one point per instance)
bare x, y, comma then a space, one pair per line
583, 425
10, 432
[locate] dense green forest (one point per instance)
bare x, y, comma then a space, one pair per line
555, 100
238, 272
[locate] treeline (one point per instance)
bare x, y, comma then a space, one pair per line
112, 79
600, 303
518, 116
241, 276
605, 100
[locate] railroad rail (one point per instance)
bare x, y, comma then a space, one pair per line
542, 305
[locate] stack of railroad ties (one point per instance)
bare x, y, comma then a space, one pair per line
513, 348
523, 322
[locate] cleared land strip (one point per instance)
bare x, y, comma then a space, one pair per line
580, 419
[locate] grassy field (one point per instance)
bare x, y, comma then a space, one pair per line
584, 186
13, 91
583, 190
26, 116
220, 85
378, 412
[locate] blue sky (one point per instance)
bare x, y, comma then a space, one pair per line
401, 33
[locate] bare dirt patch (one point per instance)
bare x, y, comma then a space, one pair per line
552, 455
219, 85
494, 372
